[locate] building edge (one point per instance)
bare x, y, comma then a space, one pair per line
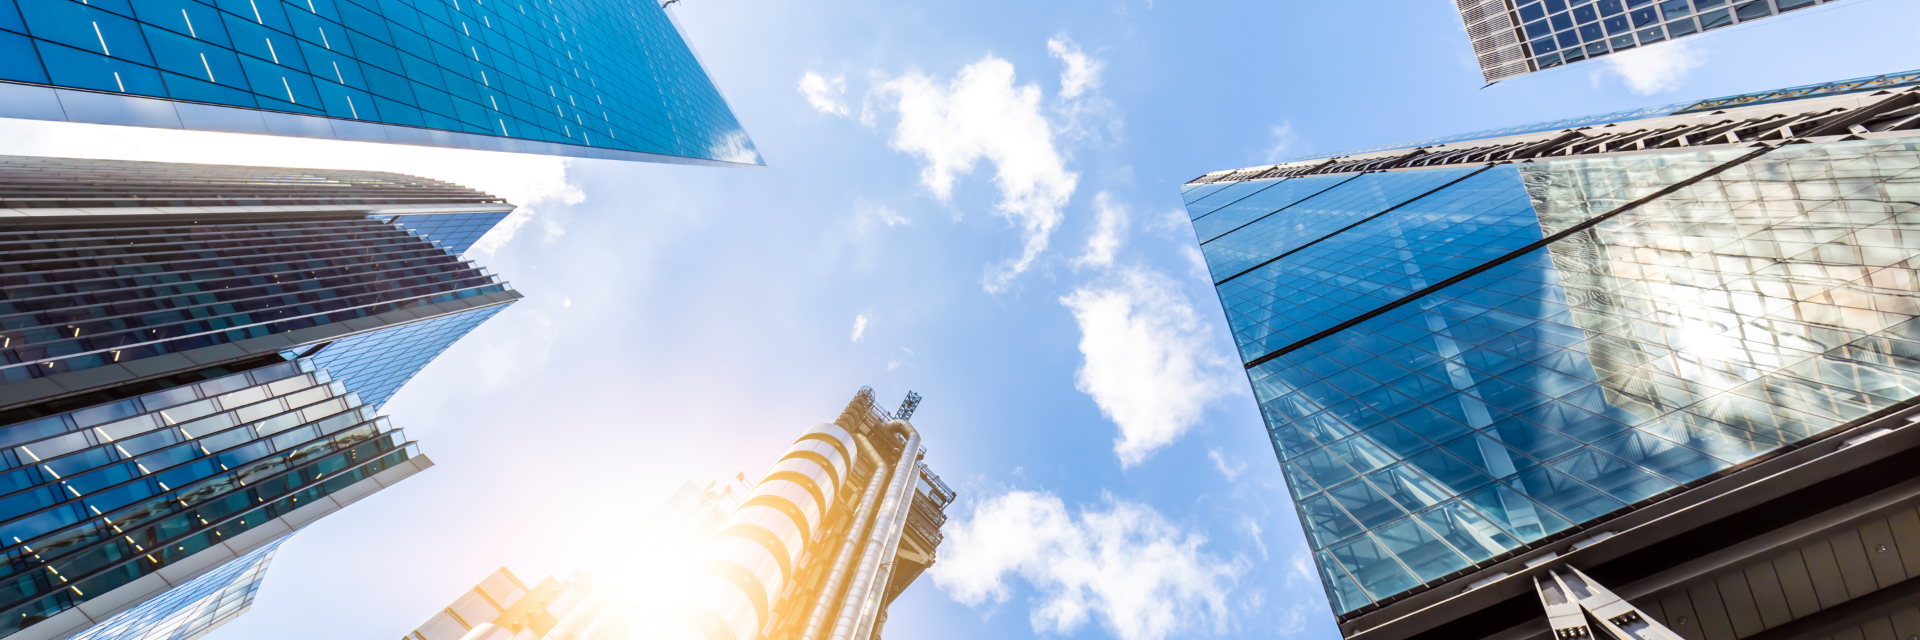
25, 101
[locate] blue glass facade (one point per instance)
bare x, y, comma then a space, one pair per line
456, 232
592, 74
194, 608
378, 364
101, 496
85, 294
1456, 363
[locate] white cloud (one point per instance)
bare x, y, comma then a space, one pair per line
1284, 140
1109, 231
1229, 468
1172, 223
1658, 68
867, 213
859, 327
1253, 531
901, 360
1140, 576
982, 115
1082, 72
1196, 264
1150, 365
825, 95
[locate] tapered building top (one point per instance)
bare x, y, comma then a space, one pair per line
583, 78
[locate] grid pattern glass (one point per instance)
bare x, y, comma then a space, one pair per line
379, 363
1563, 31
195, 608
80, 294
99, 497
594, 73
1326, 211
1265, 202
1753, 308
456, 232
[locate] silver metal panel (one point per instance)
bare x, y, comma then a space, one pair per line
1878, 629
1680, 618
1851, 557
1712, 611
1905, 524
1771, 601
1797, 583
1824, 570
201, 117
1883, 553
1742, 612
34, 103
101, 108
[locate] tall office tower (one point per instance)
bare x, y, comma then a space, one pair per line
1586, 381
167, 401
1517, 37
583, 78
818, 549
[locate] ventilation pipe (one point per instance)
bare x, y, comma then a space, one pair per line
843, 560
900, 491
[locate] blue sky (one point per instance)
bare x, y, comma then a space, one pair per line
977, 201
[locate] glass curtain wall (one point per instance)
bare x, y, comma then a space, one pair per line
1443, 391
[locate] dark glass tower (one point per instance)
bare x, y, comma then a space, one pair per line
168, 399
1517, 37
583, 78
1535, 365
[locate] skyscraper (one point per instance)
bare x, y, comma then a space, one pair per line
817, 549
580, 78
166, 400
1517, 37
1593, 379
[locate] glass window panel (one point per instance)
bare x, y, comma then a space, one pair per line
1362, 453
1676, 463
1514, 513
1398, 440
1365, 504
1449, 470
1341, 589
1625, 482
1531, 439
1566, 496
1488, 455
1407, 487
1324, 468
1467, 531
1326, 522
1376, 571
1420, 550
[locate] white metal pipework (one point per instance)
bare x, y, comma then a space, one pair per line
900, 490
896, 527
843, 560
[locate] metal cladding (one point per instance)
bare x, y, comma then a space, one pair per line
818, 547
747, 564
1517, 37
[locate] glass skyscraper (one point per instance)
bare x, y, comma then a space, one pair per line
1606, 348
194, 360
1517, 37
583, 78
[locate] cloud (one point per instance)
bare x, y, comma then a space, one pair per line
1082, 72
1149, 365
1172, 224
1109, 231
1284, 141
866, 213
1196, 264
1230, 469
906, 355
859, 327
1657, 68
825, 95
982, 115
1253, 531
1139, 575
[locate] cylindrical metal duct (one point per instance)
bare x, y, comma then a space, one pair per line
843, 559
738, 577
864, 580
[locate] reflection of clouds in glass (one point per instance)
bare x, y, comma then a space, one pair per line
1757, 307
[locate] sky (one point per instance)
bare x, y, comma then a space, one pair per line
977, 201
